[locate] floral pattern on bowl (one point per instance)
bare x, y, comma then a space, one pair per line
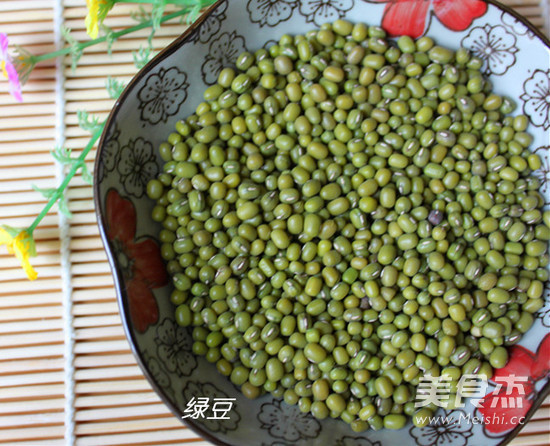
494, 45
162, 95
516, 60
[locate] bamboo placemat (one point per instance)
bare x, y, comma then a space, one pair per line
66, 371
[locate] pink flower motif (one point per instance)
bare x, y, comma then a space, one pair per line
8, 69
410, 16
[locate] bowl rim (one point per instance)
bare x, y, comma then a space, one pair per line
117, 276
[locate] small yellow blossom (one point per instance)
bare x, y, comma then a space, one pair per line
92, 19
22, 245
97, 11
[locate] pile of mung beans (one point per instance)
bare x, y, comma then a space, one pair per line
344, 214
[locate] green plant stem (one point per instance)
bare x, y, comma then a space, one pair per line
113, 36
59, 191
97, 134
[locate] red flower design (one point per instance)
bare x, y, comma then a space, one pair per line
140, 260
409, 16
522, 363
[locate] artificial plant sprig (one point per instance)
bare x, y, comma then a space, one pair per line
17, 69
98, 10
76, 164
20, 241
9, 69
75, 48
114, 87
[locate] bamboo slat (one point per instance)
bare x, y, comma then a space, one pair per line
37, 406
8, 187
531, 440
22, 327
23, 314
28, 300
110, 372
100, 347
32, 16
118, 400
91, 361
13, 286
151, 424
92, 281
99, 332
42, 351
32, 379
37, 338
97, 321
32, 433
99, 294
44, 442
120, 385
31, 420
34, 392
86, 243
176, 436
88, 256
26, 5
129, 412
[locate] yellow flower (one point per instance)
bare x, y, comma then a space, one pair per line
97, 11
92, 19
22, 245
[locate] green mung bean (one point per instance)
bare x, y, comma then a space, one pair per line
342, 215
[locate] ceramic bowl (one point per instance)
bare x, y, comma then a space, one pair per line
516, 59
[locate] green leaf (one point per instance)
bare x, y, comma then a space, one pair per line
62, 155
141, 15
157, 13
28, 239
142, 56
87, 122
114, 87
64, 207
66, 33
49, 193
31, 245
111, 37
24, 63
194, 13
76, 50
86, 175
13, 232
46, 192
104, 7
